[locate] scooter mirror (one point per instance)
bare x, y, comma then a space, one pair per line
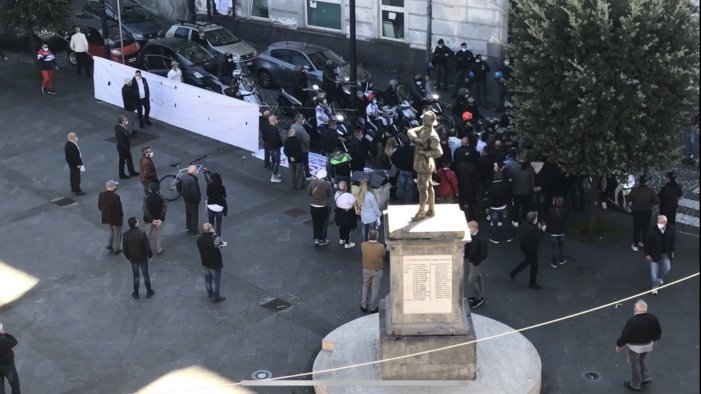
315, 87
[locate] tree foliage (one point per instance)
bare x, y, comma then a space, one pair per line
606, 84
24, 16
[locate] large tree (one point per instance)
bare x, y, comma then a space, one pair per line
24, 16
605, 85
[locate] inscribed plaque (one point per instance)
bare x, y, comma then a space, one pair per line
428, 284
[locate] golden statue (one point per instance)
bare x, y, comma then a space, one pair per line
427, 146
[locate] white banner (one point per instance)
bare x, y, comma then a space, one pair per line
200, 111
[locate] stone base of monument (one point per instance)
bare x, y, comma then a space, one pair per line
508, 364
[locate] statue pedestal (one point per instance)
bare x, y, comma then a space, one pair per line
426, 308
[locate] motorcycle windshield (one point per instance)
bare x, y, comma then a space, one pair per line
401, 93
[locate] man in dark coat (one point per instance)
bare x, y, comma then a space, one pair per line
669, 196
659, 251
75, 162
209, 245
273, 143
140, 89
463, 61
110, 205
357, 151
439, 59
638, 337
642, 199
121, 134
137, 250
7, 362
155, 209
189, 187
295, 159
130, 100
529, 233
480, 69
475, 254
468, 182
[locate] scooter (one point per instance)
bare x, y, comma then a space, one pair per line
293, 101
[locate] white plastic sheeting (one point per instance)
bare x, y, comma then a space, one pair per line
213, 115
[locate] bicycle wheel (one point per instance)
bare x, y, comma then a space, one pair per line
168, 188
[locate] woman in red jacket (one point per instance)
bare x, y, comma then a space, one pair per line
447, 190
47, 64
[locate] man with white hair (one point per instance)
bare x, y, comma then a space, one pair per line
209, 245
189, 187
659, 251
175, 74
75, 162
639, 336
110, 206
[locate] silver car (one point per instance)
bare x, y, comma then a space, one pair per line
278, 64
217, 39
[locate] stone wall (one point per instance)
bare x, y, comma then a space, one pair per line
171, 10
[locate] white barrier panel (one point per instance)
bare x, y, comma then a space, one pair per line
213, 115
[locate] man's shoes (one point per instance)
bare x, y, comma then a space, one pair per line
79, 193
223, 243
148, 122
349, 245
150, 293
316, 242
194, 234
159, 252
634, 247
364, 310
218, 299
641, 245
109, 248
134, 174
654, 292
630, 387
509, 240
554, 265
494, 241
341, 242
43, 90
323, 242
647, 381
51, 91
374, 310
475, 304
135, 295
535, 286
123, 177
275, 179
563, 262
514, 223
471, 299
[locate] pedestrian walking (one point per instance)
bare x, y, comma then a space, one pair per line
447, 190
155, 209
669, 197
262, 124
295, 159
123, 138
147, 170
110, 205
373, 253
370, 213
345, 214
639, 336
556, 220
130, 100
273, 143
137, 249
642, 199
319, 192
189, 187
8, 371
75, 163
216, 202
468, 181
305, 139
529, 234
79, 45
659, 250
499, 202
475, 253
209, 245
523, 185
140, 89
47, 64
439, 59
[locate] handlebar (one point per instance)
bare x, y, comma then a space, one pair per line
199, 159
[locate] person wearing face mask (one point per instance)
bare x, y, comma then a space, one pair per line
440, 63
390, 96
75, 162
463, 61
529, 234
418, 93
480, 69
79, 45
322, 114
140, 89
147, 174
504, 71
659, 251
175, 74
47, 64
124, 148
373, 115
523, 185
110, 206
130, 98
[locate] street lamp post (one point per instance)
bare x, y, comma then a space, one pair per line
353, 69
121, 39
103, 25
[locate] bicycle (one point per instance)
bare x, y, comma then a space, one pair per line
170, 182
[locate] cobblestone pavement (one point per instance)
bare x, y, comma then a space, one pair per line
688, 178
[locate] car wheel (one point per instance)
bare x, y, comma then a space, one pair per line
265, 79
72, 58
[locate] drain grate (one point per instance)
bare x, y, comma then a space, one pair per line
295, 212
275, 304
62, 201
262, 374
591, 376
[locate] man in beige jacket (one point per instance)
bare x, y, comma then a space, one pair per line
79, 45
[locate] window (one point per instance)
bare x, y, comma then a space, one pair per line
325, 14
94, 37
135, 14
219, 37
259, 9
181, 32
284, 55
392, 19
299, 59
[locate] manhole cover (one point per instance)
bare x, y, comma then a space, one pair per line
275, 304
262, 374
295, 212
591, 376
140, 138
62, 201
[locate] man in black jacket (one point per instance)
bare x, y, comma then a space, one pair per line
529, 235
137, 250
499, 203
140, 89
75, 162
440, 63
403, 159
110, 205
659, 251
475, 254
639, 336
357, 151
480, 69
463, 61
124, 148
130, 100
154, 214
295, 159
642, 199
7, 362
189, 187
209, 245
669, 196
273, 143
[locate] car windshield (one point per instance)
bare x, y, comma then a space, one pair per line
320, 58
195, 54
113, 37
219, 37
133, 14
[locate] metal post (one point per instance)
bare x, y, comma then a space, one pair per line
119, 19
429, 29
353, 69
103, 25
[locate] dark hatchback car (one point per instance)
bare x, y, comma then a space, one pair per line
135, 19
199, 66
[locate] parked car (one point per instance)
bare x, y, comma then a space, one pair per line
135, 19
277, 64
218, 39
96, 42
199, 66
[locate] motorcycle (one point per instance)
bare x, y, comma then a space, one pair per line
298, 100
247, 90
407, 115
